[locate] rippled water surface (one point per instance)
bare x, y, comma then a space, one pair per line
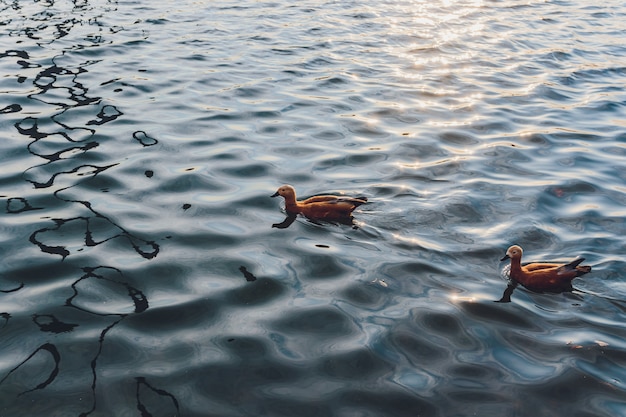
141, 141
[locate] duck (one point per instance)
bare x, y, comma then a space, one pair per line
544, 276
323, 207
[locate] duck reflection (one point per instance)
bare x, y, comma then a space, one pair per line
322, 208
512, 285
506, 295
291, 217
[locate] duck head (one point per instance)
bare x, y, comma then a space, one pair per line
286, 191
514, 252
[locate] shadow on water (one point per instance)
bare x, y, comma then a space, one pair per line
69, 154
94, 281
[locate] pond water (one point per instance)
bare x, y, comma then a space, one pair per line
142, 274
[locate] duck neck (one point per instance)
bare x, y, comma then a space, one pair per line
516, 264
291, 204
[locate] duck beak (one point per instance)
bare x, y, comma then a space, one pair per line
275, 194
505, 258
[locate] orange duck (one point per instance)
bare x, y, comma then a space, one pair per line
323, 207
544, 276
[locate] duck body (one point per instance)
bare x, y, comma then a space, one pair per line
324, 207
544, 276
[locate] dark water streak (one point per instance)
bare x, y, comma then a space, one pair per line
53, 80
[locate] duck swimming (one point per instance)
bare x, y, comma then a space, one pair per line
544, 276
323, 207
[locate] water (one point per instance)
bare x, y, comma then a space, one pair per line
142, 275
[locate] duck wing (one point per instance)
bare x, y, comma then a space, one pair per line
537, 266
333, 199
354, 201
320, 199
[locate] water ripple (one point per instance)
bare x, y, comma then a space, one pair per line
148, 272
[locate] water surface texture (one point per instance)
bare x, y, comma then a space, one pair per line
140, 144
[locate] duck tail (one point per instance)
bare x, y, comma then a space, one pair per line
583, 269
575, 266
355, 201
